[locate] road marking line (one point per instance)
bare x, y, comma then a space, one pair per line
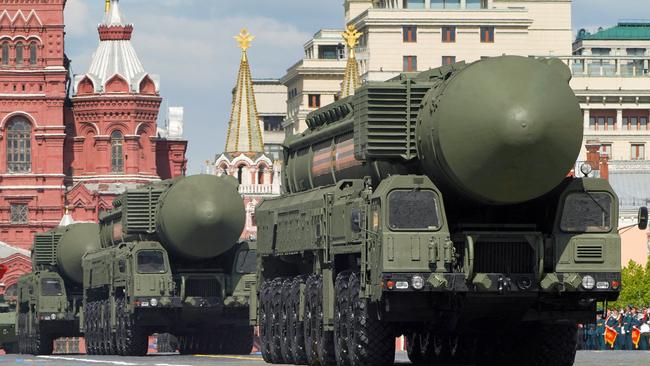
169, 364
119, 363
244, 358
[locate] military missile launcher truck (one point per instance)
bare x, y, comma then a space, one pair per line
8, 339
438, 206
170, 262
49, 299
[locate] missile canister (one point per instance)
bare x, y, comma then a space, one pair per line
499, 131
61, 249
193, 217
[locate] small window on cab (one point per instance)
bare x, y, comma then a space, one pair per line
51, 287
151, 261
413, 210
587, 212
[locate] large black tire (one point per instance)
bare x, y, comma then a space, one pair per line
372, 342
311, 327
275, 350
296, 327
90, 350
265, 321
22, 344
285, 318
342, 318
413, 350
136, 342
325, 340
43, 343
239, 341
552, 345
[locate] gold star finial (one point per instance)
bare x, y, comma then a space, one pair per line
351, 36
244, 39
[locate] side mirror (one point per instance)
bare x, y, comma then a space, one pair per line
643, 218
356, 221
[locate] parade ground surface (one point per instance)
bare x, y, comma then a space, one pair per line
604, 358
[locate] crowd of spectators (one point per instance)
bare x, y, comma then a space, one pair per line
620, 329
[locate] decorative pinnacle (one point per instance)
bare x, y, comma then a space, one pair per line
107, 7
244, 39
351, 36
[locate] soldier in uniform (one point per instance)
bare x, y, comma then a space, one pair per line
613, 322
600, 333
591, 337
631, 322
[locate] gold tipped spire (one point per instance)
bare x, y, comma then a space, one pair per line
107, 6
351, 77
244, 133
351, 37
244, 39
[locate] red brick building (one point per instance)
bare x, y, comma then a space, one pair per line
81, 152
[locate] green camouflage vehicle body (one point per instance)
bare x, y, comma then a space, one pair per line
8, 339
171, 263
49, 299
437, 206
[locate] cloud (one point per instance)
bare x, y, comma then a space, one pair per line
77, 18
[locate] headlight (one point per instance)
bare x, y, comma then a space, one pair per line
417, 282
588, 282
53, 316
153, 302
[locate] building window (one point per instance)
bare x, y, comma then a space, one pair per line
19, 53
448, 34
477, 4
19, 146
5, 54
448, 60
445, 4
117, 152
606, 150
602, 120
487, 34
410, 34
240, 174
19, 213
273, 123
328, 52
410, 63
633, 120
314, 100
32, 54
260, 175
637, 152
414, 4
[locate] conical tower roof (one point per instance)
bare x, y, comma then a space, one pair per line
66, 220
244, 133
351, 78
115, 55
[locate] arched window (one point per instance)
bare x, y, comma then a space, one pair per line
32, 53
117, 152
19, 53
240, 173
5, 53
260, 175
19, 146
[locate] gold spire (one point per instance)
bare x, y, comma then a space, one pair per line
244, 39
107, 6
244, 133
351, 78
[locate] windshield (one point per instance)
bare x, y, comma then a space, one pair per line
413, 210
151, 261
246, 262
51, 287
587, 213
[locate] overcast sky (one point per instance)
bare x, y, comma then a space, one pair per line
189, 44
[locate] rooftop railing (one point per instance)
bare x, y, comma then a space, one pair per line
608, 66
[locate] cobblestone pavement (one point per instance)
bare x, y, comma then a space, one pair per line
608, 358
